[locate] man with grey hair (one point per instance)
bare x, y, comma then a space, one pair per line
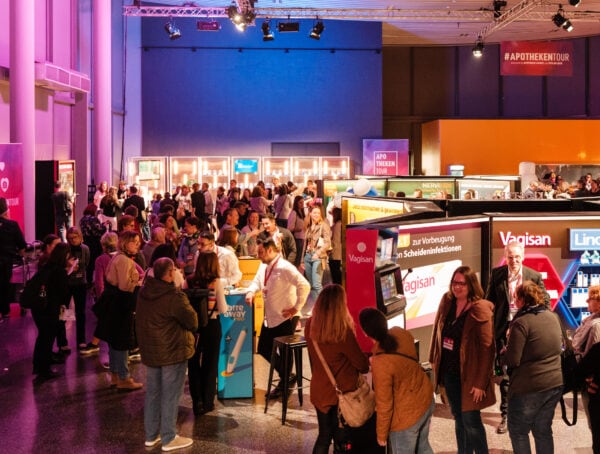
501, 291
165, 326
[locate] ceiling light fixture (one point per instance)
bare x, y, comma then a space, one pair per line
172, 30
561, 21
478, 48
317, 30
241, 18
574, 3
266, 31
499, 6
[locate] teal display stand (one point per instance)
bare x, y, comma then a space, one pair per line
235, 378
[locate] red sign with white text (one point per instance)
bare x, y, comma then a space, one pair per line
11, 180
536, 58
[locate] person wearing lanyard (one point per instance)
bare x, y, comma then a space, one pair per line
284, 292
501, 291
462, 357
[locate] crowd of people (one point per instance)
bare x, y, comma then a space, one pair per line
143, 263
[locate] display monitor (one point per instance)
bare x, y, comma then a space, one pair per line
388, 290
245, 166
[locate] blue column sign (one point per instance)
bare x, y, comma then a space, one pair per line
235, 378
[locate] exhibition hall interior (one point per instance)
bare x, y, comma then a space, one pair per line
439, 132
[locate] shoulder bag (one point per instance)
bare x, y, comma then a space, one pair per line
354, 407
568, 364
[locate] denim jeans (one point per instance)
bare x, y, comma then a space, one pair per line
164, 387
415, 438
470, 433
117, 361
313, 270
532, 412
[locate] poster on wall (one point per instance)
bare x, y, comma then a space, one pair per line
11, 180
536, 58
385, 157
432, 251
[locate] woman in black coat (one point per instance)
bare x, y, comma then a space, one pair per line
46, 312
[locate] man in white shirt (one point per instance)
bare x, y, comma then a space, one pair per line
284, 292
229, 267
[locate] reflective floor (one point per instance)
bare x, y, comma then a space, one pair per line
78, 412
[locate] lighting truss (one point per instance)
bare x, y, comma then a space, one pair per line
524, 11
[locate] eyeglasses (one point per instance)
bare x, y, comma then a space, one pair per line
458, 284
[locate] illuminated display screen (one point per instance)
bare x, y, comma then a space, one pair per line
245, 166
388, 286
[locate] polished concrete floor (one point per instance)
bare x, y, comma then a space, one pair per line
78, 412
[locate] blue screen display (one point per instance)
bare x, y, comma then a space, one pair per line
245, 166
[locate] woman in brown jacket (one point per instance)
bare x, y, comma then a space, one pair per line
332, 327
462, 357
403, 391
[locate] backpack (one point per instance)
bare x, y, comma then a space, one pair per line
199, 300
34, 292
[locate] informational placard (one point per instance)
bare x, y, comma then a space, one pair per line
536, 58
235, 377
11, 180
385, 157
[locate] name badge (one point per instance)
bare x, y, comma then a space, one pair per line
448, 343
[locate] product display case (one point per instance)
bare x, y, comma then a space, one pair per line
280, 167
183, 170
150, 174
215, 171
306, 168
335, 167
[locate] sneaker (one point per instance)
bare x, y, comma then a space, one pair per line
105, 366
89, 349
65, 350
152, 443
178, 443
134, 357
501, 429
128, 385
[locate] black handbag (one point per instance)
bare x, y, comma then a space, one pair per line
571, 383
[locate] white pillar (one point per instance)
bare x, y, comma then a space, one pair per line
22, 100
101, 92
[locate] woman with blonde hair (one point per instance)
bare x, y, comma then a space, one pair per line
317, 242
462, 356
332, 328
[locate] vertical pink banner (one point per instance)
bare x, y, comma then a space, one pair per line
361, 247
11, 180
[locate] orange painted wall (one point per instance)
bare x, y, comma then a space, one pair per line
496, 147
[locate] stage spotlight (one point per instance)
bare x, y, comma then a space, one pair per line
574, 3
478, 48
266, 30
172, 30
317, 30
499, 5
561, 21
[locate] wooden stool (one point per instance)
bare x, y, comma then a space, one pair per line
290, 348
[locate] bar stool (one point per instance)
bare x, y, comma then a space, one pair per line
290, 349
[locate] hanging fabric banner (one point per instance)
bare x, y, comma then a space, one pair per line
536, 58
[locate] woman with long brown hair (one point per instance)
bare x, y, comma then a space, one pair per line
462, 356
202, 375
332, 328
317, 243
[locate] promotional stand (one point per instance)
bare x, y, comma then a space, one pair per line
235, 377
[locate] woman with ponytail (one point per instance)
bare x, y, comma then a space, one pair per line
403, 391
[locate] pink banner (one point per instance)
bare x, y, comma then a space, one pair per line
536, 58
361, 248
11, 180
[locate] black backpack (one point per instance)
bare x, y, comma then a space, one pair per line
34, 292
199, 300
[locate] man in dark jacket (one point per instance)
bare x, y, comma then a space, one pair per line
501, 292
283, 237
12, 247
165, 323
